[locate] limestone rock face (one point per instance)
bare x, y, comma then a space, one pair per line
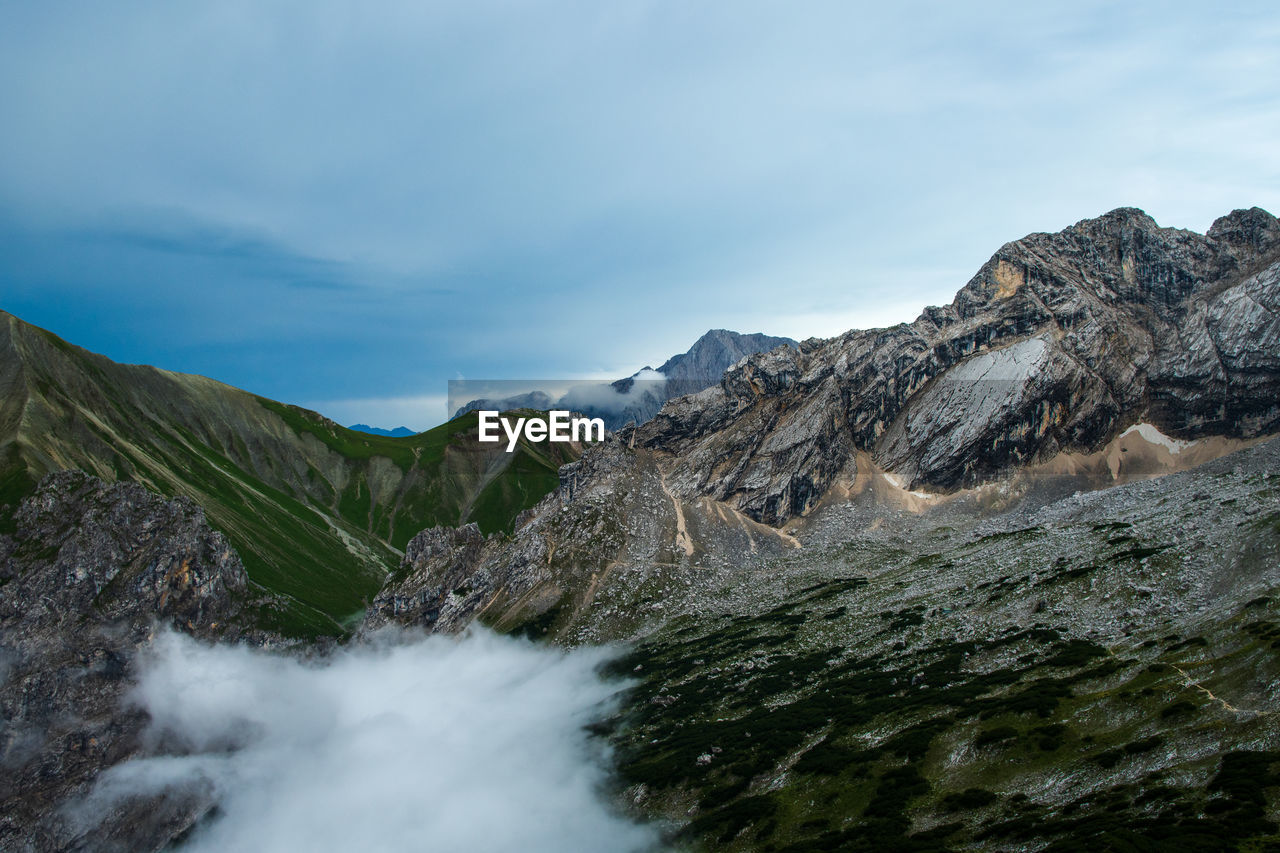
1058, 343
88, 574
436, 562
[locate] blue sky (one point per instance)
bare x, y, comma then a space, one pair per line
344, 204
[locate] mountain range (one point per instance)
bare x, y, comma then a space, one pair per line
1047, 357
398, 432
1005, 577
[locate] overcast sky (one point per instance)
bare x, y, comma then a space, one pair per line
344, 205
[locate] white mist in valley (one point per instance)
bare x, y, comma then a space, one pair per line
410, 744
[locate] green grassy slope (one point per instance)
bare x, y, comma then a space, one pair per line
317, 512
827, 748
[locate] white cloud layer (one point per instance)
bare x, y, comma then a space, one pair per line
413, 744
602, 397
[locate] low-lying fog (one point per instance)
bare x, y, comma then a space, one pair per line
472, 744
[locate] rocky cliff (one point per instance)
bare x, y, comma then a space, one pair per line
88, 573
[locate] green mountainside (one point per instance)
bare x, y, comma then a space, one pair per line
318, 512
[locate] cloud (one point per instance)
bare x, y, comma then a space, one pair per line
616, 400
612, 399
412, 743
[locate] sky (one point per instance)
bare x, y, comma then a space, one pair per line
344, 205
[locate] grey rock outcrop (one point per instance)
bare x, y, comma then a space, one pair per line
438, 562
87, 575
451, 576
613, 524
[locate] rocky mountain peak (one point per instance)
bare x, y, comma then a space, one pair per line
1117, 219
716, 350
1057, 348
1253, 230
1122, 255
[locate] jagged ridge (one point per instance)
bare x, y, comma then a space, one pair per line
1058, 343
